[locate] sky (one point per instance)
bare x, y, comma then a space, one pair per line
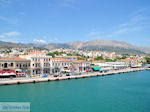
59, 21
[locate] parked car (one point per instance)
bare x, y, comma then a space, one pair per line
55, 75
75, 74
68, 74
44, 75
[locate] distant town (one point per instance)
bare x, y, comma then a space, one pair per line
30, 62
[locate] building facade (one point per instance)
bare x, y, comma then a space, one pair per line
40, 63
17, 64
61, 65
81, 66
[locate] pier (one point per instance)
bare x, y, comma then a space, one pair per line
85, 75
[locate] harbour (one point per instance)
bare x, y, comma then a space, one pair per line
85, 75
113, 93
75, 56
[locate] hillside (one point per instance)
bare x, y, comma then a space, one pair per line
103, 45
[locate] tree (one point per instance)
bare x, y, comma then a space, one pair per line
51, 54
109, 60
99, 58
147, 60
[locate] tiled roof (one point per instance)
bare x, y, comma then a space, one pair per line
15, 58
129, 59
4, 58
18, 58
80, 61
60, 59
36, 52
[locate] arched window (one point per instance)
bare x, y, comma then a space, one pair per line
5, 65
11, 64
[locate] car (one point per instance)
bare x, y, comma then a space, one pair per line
55, 75
44, 75
75, 74
68, 74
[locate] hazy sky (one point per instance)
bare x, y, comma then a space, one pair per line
49, 21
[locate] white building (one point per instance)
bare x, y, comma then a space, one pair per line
40, 63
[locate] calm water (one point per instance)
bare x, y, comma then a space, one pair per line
129, 92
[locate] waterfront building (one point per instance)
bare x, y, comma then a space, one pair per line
81, 66
134, 62
103, 66
61, 65
108, 65
19, 65
117, 65
40, 63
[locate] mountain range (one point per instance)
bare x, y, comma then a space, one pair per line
102, 45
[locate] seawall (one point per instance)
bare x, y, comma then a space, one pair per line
87, 75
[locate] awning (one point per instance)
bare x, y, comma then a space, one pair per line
12, 73
97, 68
6, 74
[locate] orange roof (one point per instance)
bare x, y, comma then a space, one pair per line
80, 61
36, 52
8, 58
18, 58
5, 58
60, 59
100, 61
129, 59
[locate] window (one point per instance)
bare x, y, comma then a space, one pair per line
11, 64
5, 65
33, 64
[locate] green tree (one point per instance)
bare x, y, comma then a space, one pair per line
51, 54
99, 58
147, 60
109, 60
